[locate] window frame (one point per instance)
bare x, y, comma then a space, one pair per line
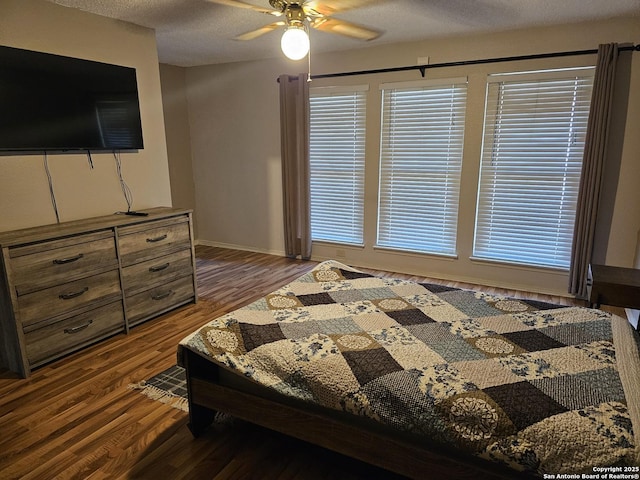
490, 143
458, 87
357, 168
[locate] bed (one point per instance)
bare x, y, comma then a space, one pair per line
417, 377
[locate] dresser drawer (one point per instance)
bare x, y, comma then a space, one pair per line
142, 276
71, 334
139, 243
156, 300
67, 297
61, 285
58, 262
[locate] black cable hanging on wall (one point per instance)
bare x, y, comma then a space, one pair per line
54, 204
424, 68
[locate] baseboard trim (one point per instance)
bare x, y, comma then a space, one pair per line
244, 248
359, 264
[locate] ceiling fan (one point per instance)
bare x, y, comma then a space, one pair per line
299, 15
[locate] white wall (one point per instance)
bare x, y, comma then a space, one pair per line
235, 140
82, 192
234, 122
176, 120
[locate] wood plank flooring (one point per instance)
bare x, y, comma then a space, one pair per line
77, 418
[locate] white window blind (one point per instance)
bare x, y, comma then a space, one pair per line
337, 143
421, 159
535, 127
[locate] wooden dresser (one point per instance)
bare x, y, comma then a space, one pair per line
68, 285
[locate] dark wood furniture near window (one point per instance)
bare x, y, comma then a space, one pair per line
67, 285
616, 286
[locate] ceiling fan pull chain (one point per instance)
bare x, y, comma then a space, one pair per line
309, 55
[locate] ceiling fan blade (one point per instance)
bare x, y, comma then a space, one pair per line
331, 7
348, 29
240, 4
259, 32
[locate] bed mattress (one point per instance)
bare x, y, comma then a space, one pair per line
540, 388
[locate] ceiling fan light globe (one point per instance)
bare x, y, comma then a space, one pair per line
295, 43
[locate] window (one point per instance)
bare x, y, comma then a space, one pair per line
534, 134
420, 164
337, 142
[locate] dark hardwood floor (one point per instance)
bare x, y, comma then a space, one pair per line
77, 418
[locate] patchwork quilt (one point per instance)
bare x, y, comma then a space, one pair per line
539, 387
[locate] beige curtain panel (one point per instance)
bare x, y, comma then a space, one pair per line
294, 134
592, 167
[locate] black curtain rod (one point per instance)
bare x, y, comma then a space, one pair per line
423, 68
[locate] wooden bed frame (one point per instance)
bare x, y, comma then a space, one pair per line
212, 389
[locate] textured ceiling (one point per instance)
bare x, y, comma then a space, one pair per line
199, 32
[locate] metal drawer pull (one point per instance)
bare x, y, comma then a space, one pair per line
160, 296
69, 296
157, 239
159, 268
78, 328
62, 261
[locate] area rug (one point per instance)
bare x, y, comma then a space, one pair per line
169, 386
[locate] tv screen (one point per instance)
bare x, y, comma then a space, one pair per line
54, 103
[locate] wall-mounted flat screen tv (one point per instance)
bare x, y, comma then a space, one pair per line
51, 103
